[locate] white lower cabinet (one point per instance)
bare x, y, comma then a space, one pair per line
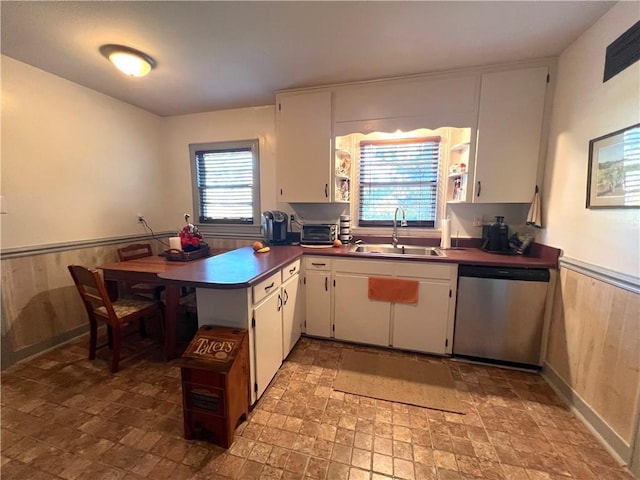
292, 307
267, 318
356, 318
424, 326
317, 281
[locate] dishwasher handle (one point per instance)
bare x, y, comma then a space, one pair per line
505, 273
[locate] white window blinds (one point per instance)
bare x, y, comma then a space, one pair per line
225, 182
399, 173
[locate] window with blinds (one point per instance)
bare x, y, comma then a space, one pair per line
394, 173
226, 182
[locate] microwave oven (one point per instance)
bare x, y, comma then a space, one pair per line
319, 234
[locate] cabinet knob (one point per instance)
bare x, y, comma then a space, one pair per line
326, 190
479, 188
269, 287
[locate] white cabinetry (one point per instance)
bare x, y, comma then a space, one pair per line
430, 101
427, 326
292, 307
509, 132
356, 318
304, 147
267, 321
317, 279
270, 310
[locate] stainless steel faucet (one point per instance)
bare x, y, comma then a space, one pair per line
403, 223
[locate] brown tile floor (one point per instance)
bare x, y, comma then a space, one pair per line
64, 417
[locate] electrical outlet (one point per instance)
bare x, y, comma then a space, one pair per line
477, 221
140, 218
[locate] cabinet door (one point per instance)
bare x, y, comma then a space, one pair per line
423, 326
267, 340
509, 130
318, 307
291, 315
304, 147
356, 318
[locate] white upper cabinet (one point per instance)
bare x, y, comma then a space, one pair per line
509, 133
505, 108
305, 165
434, 101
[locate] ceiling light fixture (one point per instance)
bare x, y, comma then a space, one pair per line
128, 60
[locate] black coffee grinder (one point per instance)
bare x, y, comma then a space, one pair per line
496, 237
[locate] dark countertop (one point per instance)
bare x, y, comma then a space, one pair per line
459, 255
238, 268
243, 267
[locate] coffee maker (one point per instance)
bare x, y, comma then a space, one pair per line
274, 226
495, 237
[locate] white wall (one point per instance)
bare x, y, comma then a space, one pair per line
585, 108
76, 164
226, 125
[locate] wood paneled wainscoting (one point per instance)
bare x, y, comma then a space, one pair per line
593, 353
41, 307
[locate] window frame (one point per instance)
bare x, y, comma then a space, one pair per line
430, 225
219, 227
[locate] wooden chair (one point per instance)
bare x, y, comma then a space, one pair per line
132, 252
115, 314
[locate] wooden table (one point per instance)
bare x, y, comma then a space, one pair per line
146, 270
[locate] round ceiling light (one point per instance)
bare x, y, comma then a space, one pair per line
128, 60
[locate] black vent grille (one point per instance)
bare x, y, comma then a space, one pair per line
623, 52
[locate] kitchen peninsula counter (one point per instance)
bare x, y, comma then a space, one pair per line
242, 268
259, 292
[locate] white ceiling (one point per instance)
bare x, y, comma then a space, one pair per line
220, 55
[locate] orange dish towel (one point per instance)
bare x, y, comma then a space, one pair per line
393, 290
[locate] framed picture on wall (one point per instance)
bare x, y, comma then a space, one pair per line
613, 180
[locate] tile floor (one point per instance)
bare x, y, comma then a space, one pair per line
64, 417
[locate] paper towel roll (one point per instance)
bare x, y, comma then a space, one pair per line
445, 233
174, 243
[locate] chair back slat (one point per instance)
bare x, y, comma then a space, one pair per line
133, 251
92, 290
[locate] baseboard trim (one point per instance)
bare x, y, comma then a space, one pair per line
615, 444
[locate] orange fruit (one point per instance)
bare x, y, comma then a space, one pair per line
337, 243
258, 245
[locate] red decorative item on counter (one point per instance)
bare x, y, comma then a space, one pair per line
190, 237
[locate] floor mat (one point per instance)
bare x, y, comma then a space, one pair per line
425, 384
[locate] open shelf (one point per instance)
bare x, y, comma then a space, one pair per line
459, 147
455, 175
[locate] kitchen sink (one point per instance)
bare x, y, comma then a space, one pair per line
399, 250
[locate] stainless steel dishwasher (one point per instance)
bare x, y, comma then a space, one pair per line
500, 314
